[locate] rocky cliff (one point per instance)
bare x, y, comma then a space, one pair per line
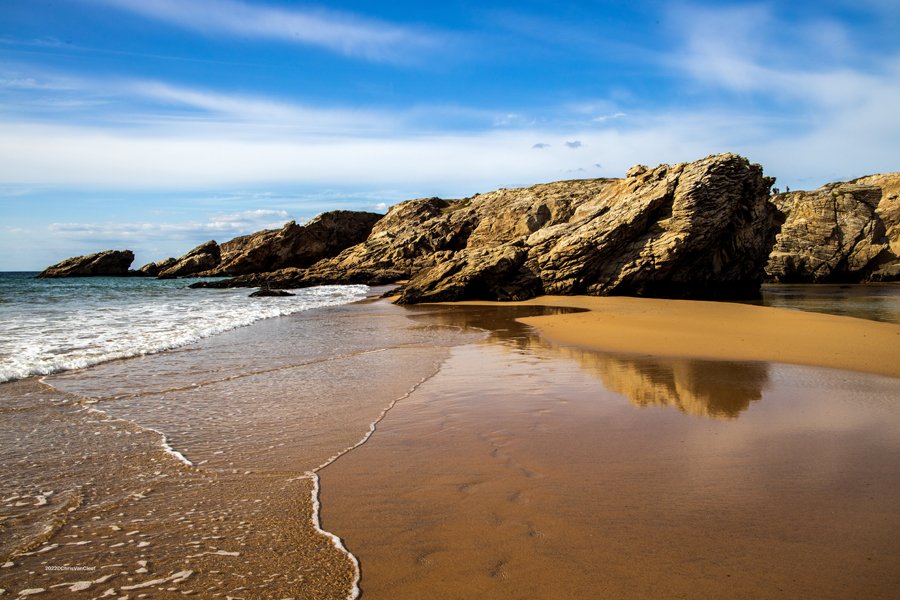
111, 263
271, 249
155, 268
203, 257
846, 232
700, 229
294, 245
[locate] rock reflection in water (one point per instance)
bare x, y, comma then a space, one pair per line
705, 388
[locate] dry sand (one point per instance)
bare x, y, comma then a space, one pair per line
720, 331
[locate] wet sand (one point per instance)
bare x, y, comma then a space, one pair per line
195, 471
506, 463
721, 331
530, 469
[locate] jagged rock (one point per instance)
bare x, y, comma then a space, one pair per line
636, 171
847, 232
155, 268
268, 293
110, 263
701, 229
294, 245
202, 258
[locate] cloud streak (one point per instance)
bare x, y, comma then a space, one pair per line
219, 227
342, 33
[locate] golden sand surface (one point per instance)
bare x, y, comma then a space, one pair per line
720, 331
530, 469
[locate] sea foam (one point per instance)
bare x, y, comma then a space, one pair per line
52, 326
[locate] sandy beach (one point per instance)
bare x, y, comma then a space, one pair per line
720, 331
556, 448
644, 449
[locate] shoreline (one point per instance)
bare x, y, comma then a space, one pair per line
722, 331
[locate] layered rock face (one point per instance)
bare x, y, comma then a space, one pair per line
700, 229
155, 268
110, 263
845, 232
271, 249
203, 257
294, 245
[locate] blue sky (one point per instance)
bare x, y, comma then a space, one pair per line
158, 124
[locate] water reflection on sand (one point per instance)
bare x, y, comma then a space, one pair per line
703, 388
520, 470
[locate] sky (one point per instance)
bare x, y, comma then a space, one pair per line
155, 125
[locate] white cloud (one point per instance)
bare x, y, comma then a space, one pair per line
219, 227
338, 32
258, 112
609, 117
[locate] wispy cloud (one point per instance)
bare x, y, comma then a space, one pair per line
347, 34
219, 227
258, 111
827, 93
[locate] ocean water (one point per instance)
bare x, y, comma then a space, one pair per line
53, 325
876, 301
195, 469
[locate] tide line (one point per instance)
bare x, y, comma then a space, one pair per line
314, 476
163, 442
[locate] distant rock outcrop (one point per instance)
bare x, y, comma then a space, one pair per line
267, 293
294, 245
155, 268
700, 229
846, 232
111, 263
203, 257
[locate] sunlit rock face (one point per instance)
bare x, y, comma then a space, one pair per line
693, 230
846, 232
109, 263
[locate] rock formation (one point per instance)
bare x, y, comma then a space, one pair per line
111, 263
294, 245
203, 257
700, 229
155, 268
846, 232
267, 293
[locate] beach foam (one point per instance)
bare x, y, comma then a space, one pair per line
60, 326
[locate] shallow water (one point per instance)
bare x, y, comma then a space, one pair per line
507, 467
874, 301
54, 325
195, 469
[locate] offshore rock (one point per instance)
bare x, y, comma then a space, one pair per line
267, 293
700, 229
203, 257
294, 245
110, 263
845, 232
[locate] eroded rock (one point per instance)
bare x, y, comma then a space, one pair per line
202, 258
110, 263
846, 232
700, 229
294, 245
